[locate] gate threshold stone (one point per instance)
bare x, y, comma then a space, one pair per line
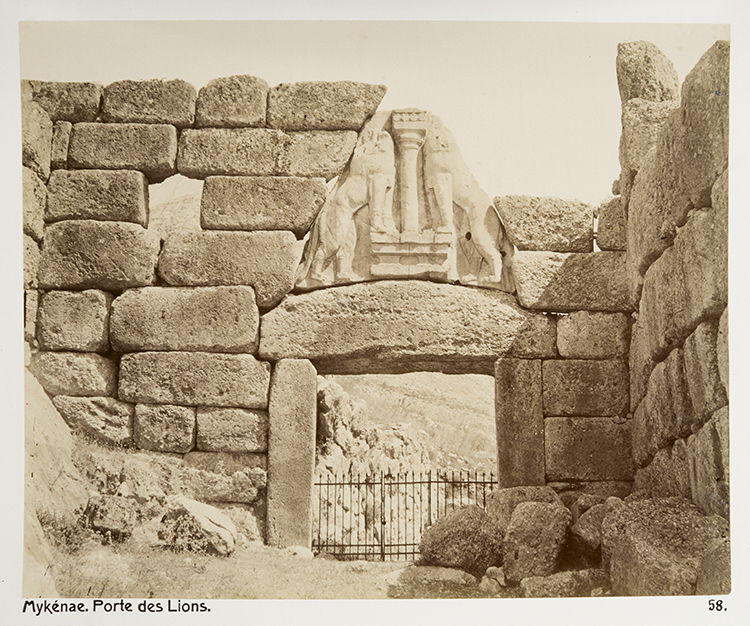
401, 326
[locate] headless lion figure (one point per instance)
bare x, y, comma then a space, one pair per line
369, 180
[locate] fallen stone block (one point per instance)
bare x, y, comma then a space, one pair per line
75, 373
593, 335
611, 229
164, 427
111, 516
103, 419
36, 136
231, 430
68, 101
34, 201
232, 101
585, 387
501, 503
588, 526
61, 132
572, 584
74, 320
149, 102
644, 72
192, 526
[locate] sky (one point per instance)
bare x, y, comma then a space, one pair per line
534, 106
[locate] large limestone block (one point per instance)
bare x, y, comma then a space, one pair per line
317, 153
75, 373
292, 414
501, 503
644, 72
640, 362
207, 319
149, 148
265, 260
610, 233
68, 101
550, 224
342, 105
585, 387
231, 430
149, 102
110, 195
74, 320
261, 203
722, 349
396, 326
194, 378
79, 254
593, 335
587, 448
707, 392
34, 200
164, 427
232, 101
31, 260
714, 572
557, 281
61, 132
641, 122
668, 473
36, 137
707, 456
105, 419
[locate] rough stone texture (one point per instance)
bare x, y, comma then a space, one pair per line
106, 420
191, 525
702, 371
110, 195
79, 254
534, 538
591, 335
572, 584
644, 72
34, 200
61, 132
263, 152
75, 373
655, 546
164, 427
231, 430
585, 502
232, 101
111, 516
611, 229
641, 122
589, 526
501, 503
722, 349
30, 311
551, 224
583, 387
36, 138
342, 105
69, 101
206, 319
194, 378
292, 413
714, 573
74, 320
149, 148
31, 260
149, 102
430, 578
587, 448
558, 281
708, 465
261, 203
388, 328
640, 363
226, 463
265, 260
519, 422
224, 477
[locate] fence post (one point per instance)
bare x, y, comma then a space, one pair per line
382, 516
429, 498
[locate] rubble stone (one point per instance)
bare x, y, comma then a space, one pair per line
104, 419
164, 427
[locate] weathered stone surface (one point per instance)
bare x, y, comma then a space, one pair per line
591, 335
164, 427
31, 260
551, 224
582, 387
520, 422
655, 546
261, 203
206, 319
641, 122
226, 463
292, 413
722, 349
231, 430
714, 572
640, 363
110, 195
534, 538
572, 584
558, 281
610, 234
463, 539
149, 102
36, 138
34, 200
69, 101
194, 378
61, 132
265, 260
223, 477
587, 448
589, 526
412, 578
501, 503
111, 516
149, 148
584, 502
708, 470
702, 371
644, 72
389, 328
197, 527
232, 101
317, 153
30, 310
105, 419
342, 105
74, 320
668, 473
75, 373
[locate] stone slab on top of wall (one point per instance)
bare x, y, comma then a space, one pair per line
149, 102
232, 101
67, 101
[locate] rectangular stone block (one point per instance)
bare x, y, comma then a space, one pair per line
81, 254
36, 135
580, 388
292, 414
317, 153
205, 319
261, 203
232, 430
589, 448
641, 122
149, 102
104, 419
30, 308
558, 281
69, 101
610, 233
232, 101
148, 148
550, 224
31, 258
226, 463
520, 422
707, 393
109, 195
75, 373
34, 201
265, 260
592, 335
74, 320
194, 379
61, 132
164, 427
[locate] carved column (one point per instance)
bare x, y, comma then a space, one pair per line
409, 131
